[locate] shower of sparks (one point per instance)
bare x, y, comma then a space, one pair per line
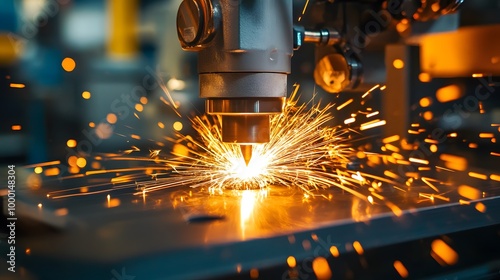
306, 151
303, 151
304, 10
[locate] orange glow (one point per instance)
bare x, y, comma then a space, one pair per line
86, 95
14, 85
180, 150
478, 176
424, 77
401, 269
435, 7
254, 273
477, 75
139, 107
177, 126
54, 171
334, 251
135, 136
420, 161
91, 124
113, 202
401, 27
72, 160
84, 189
61, 212
469, 192
71, 143
495, 177
28, 251
473, 145
358, 248
443, 252
390, 139
16, 127
74, 169
321, 268
38, 170
247, 205
398, 64
372, 124
40, 205
391, 174
161, 125
340, 107
428, 115
425, 102
291, 261
481, 207
394, 208
486, 135
449, 93
81, 162
68, 64
454, 162
95, 165
111, 118
433, 148
143, 100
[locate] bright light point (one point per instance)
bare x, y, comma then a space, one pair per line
370, 199
175, 84
321, 268
139, 107
357, 247
86, 95
177, 126
144, 100
68, 64
111, 118
443, 253
398, 64
71, 143
16, 127
81, 162
424, 77
14, 85
428, 115
38, 170
39, 205
401, 269
433, 148
425, 102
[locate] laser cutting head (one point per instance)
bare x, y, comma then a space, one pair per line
244, 50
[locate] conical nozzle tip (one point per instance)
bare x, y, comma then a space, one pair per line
246, 151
